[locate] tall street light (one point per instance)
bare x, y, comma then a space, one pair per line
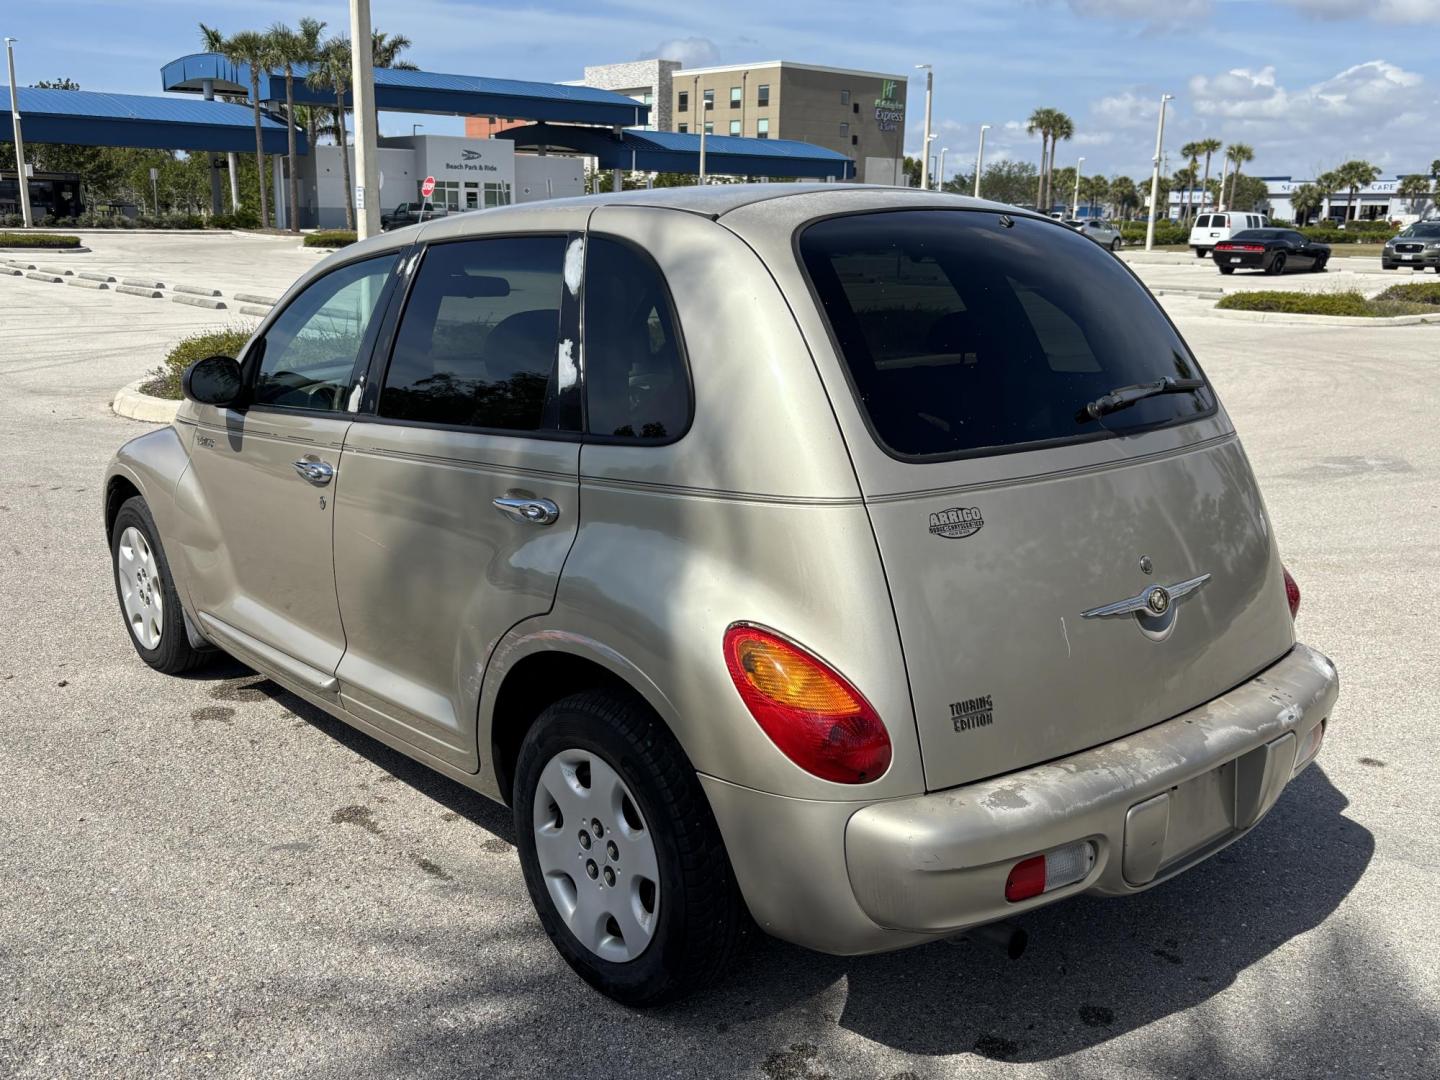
21, 180
925, 149
1155, 173
367, 154
1075, 200
940, 181
980, 158
699, 105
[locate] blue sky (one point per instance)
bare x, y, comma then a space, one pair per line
1308, 83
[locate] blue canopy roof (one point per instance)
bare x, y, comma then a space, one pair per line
671, 151
88, 118
399, 90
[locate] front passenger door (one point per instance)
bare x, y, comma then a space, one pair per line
261, 557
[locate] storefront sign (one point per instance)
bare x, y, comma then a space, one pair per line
889, 110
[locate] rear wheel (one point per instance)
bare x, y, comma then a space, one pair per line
1318, 267
1227, 269
1115, 244
1199, 253
622, 856
1277, 264
148, 600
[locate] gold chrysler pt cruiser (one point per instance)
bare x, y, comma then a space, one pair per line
875, 564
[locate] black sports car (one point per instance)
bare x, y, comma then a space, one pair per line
1271, 250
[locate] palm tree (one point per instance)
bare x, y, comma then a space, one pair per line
1095, 189
1206, 147
1240, 153
214, 41
1191, 151
290, 48
385, 51
253, 49
1416, 188
1064, 129
1184, 179
1355, 175
1124, 194
1305, 200
1040, 122
1435, 169
331, 71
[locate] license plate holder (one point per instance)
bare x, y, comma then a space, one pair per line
1407, 257
1235, 259
1202, 812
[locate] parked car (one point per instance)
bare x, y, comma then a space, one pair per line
410, 214
1210, 229
1272, 250
888, 567
1104, 233
1417, 245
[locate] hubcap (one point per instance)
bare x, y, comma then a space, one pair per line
140, 590
597, 855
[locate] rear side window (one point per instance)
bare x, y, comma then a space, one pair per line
961, 334
478, 341
1203, 221
635, 377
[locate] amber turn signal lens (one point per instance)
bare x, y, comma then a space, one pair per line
811, 712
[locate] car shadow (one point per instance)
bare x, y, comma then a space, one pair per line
1095, 969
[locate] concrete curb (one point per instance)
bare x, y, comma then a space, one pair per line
200, 301
1285, 318
12, 271
252, 298
97, 277
53, 270
53, 279
195, 290
142, 283
321, 250
251, 309
1201, 294
139, 290
130, 403
83, 284
81, 250
20, 264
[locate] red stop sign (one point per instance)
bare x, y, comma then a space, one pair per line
428, 187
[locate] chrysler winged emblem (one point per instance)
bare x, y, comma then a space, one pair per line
1153, 600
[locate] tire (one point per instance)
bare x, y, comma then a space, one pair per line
691, 909
1115, 245
1319, 265
1386, 265
149, 604
1277, 264
1227, 269
1199, 253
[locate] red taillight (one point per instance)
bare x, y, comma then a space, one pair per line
1292, 594
809, 710
1026, 879
1239, 247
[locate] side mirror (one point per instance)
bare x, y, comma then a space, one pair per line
216, 380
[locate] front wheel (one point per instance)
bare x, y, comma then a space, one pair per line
148, 600
1277, 264
621, 853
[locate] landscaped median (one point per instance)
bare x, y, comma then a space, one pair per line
47, 241
329, 238
156, 397
1399, 305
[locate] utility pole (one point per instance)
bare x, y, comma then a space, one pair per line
367, 155
925, 148
940, 181
1075, 200
1155, 174
22, 182
980, 158
699, 103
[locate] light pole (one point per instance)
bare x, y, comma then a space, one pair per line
1155, 173
940, 180
699, 104
925, 150
414, 128
367, 155
1075, 200
980, 158
21, 180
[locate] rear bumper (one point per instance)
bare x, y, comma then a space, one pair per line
1246, 261
852, 878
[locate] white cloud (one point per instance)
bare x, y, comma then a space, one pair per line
1390, 11
1126, 109
1375, 92
690, 51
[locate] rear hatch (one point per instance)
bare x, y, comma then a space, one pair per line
972, 342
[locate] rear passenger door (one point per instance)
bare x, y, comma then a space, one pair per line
459, 499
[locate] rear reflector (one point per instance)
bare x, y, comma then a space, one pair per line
1310, 748
1292, 593
1053, 870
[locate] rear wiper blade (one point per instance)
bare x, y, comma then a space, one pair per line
1122, 397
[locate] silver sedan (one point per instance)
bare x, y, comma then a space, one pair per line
1104, 233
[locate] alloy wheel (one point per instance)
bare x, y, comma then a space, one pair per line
141, 590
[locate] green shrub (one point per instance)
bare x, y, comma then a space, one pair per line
1356, 232
244, 218
1351, 303
1419, 293
164, 381
1166, 232
38, 240
329, 238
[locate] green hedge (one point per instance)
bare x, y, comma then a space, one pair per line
164, 381
244, 219
1426, 293
1350, 302
1357, 232
329, 238
38, 240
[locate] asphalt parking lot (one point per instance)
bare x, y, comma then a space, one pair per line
206, 877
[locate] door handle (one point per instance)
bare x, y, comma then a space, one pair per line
317, 472
529, 510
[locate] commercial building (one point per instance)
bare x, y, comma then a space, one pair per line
860, 114
647, 81
1380, 201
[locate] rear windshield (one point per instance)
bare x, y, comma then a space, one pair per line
967, 332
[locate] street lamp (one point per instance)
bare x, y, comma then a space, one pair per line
21, 180
699, 105
414, 128
367, 154
940, 182
980, 157
1155, 173
925, 155
1075, 200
